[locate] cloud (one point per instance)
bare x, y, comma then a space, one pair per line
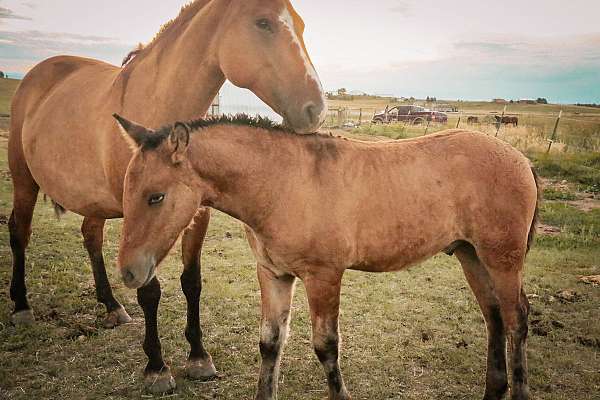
403, 8
557, 52
22, 50
562, 69
5, 13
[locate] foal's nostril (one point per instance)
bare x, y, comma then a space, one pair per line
128, 277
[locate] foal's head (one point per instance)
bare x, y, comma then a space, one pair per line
261, 48
160, 199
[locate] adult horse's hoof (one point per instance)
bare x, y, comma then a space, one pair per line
22, 318
116, 318
159, 382
200, 369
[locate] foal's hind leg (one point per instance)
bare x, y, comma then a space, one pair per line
324, 301
514, 307
19, 225
480, 282
199, 364
93, 235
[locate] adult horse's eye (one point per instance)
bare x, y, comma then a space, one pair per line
155, 199
264, 24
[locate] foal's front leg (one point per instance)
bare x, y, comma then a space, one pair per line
324, 301
157, 376
276, 295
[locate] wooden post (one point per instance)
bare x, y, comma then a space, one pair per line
553, 137
340, 117
360, 117
427, 127
500, 122
458, 122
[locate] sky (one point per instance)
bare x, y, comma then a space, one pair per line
463, 49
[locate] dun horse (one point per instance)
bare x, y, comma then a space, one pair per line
318, 205
64, 142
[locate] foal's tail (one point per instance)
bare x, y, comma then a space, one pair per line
536, 214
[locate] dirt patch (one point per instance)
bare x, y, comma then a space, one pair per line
549, 230
586, 204
593, 280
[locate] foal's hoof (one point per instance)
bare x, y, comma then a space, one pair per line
200, 369
22, 318
159, 382
116, 318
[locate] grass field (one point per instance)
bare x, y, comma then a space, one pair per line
417, 334
7, 88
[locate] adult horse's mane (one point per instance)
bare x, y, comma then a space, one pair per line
185, 14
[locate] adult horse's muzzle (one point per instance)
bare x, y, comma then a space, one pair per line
310, 118
139, 274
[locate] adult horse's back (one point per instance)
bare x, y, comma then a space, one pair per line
63, 139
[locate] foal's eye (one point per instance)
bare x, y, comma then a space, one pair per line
264, 24
155, 199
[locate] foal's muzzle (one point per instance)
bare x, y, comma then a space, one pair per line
137, 277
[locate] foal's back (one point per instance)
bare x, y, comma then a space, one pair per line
385, 206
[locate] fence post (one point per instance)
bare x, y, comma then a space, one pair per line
360, 116
427, 127
500, 122
340, 117
553, 137
458, 122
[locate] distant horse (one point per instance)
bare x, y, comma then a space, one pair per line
320, 205
472, 120
64, 141
506, 120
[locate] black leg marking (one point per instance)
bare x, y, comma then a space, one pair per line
497, 380
191, 284
18, 290
148, 298
328, 354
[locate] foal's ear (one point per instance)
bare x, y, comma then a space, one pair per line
179, 140
133, 133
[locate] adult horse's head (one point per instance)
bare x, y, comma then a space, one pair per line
159, 199
261, 48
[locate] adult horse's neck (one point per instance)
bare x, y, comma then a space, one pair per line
178, 75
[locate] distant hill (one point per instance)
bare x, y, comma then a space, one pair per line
7, 89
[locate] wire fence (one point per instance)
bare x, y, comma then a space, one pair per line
564, 133
546, 131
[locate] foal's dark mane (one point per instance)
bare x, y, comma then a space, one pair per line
258, 122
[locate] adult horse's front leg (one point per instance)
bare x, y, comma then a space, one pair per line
323, 292
93, 236
157, 375
199, 364
276, 299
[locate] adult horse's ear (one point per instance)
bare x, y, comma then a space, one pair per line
135, 134
179, 140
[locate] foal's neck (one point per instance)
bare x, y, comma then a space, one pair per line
178, 75
251, 171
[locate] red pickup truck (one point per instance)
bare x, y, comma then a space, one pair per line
411, 114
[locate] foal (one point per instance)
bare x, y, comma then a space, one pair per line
315, 206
